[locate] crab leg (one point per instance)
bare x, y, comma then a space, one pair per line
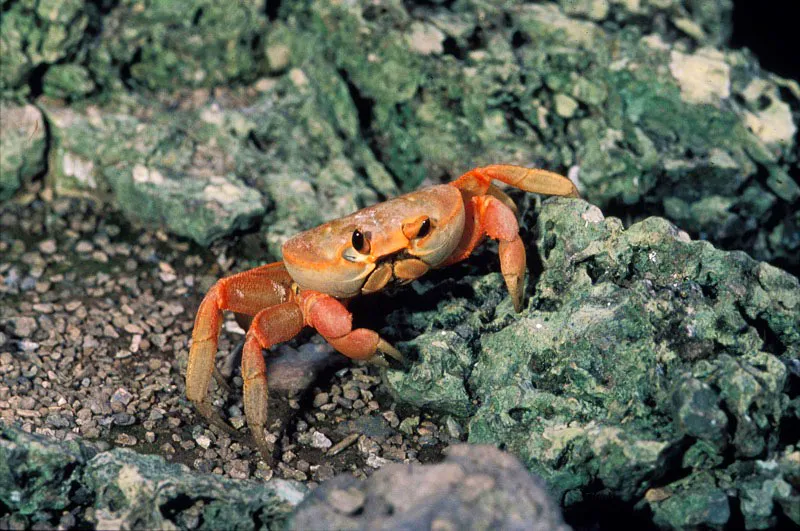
478, 181
248, 293
334, 322
486, 215
490, 212
270, 326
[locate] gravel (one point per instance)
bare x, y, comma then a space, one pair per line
95, 321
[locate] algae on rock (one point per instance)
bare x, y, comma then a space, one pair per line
41, 479
175, 171
169, 44
641, 354
538, 84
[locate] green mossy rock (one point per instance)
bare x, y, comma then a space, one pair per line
69, 81
23, 153
172, 171
37, 475
38, 33
168, 44
40, 479
641, 354
644, 125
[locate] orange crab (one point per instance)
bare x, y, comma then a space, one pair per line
387, 244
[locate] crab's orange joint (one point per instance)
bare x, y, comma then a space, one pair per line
360, 344
500, 222
327, 315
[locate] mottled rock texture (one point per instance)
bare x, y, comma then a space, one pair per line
640, 101
475, 487
642, 356
45, 483
22, 137
650, 369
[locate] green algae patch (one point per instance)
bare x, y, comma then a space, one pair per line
41, 479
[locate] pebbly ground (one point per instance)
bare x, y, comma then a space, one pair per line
94, 341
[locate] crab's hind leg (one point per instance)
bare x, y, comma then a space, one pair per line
487, 215
478, 180
248, 293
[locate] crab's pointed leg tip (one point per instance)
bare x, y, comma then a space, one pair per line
389, 350
379, 361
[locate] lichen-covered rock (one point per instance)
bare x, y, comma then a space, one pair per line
23, 141
41, 479
640, 101
37, 476
68, 81
706, 22
649, 121
166, 44
143, 491
766, 490
641, 353
310, 159
476, 487
36, 34
175, 171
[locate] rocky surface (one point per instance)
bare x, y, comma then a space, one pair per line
24, 146
157, 146
645, 365
475, 487
46, 484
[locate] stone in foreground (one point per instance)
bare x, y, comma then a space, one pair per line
476, 487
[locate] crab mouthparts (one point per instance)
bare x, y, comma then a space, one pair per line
400, 270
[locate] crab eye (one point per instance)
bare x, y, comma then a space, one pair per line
424, 228
360, 242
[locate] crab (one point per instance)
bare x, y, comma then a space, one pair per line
387, 244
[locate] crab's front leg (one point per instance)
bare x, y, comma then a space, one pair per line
490, 212
486, 215
269, 327
333, 321
280, 323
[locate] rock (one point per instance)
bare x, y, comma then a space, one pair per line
156, 174
23, 327
34, 35
40, 478
641, 353
37, 476
23, 139
194, 44
68, 81
320, 440
476, 487
292, 371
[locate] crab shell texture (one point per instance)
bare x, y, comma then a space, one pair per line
395, 251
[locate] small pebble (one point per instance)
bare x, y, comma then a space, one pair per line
126, 439
319, 440
320, 399
47, 246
